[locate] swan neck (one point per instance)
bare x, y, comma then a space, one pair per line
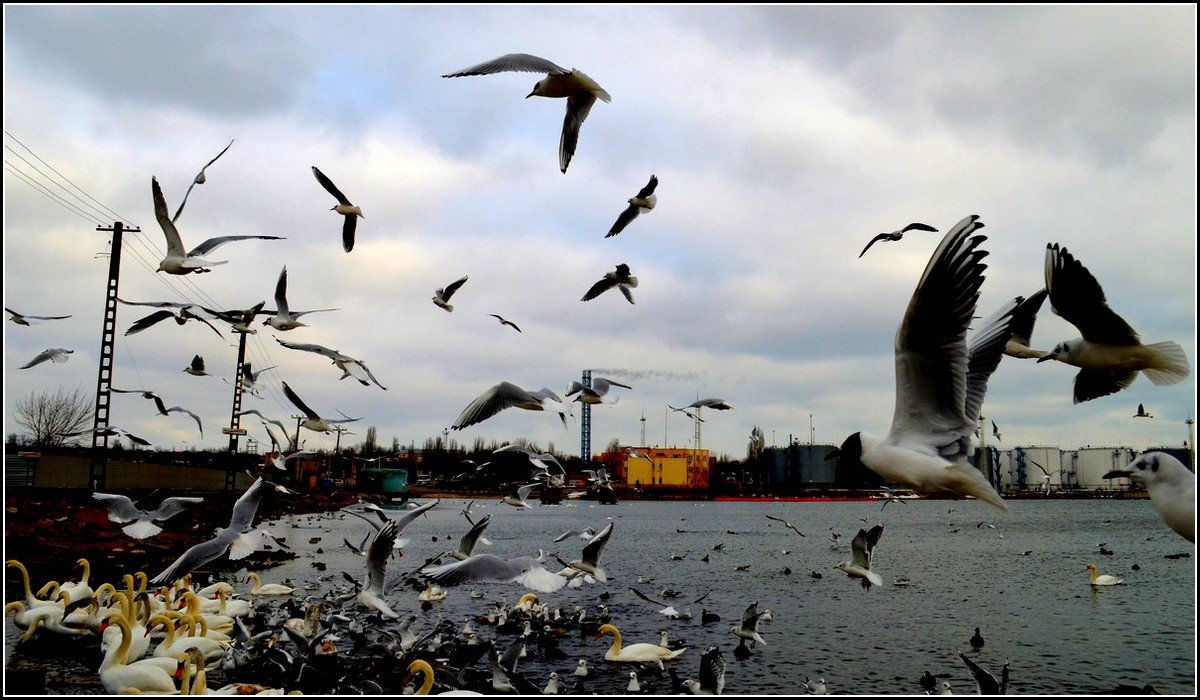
24, 576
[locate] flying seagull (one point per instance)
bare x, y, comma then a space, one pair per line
177, 262
371, 594
1022, 327
237, 539
185, 313
344, 207
1172, 489
1110, 354
483, 568
163, 410
580, 90
196, 368
312, 421
142, 522
112, 430
58, 355
489, 403
715, 404
1141, 412
200, 179
621, 279
940, 380
283, 319
712, 674
748, 629
897, 235
996, 432
441, 297
1045, 478
859, 565
642, 203
504, 321
790, 526
596, 393
23, 319
350, 367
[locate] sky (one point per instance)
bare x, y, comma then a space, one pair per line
784, 139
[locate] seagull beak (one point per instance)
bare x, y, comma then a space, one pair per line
531, 94
1043, 358
1116, 473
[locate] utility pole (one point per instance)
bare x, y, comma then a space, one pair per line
585, 424
298, 419
643, 427
1191, 444
98, 468
811, 434
235, 421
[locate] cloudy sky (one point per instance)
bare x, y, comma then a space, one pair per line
783, 139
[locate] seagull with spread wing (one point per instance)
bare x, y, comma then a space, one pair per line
580, 90
24, 319
441, 297
351, 212
620, 278
281, 318
350, 367
237, 539
642, 203
58, 355
312, 420
897, 235
178, 262
200, 179
790, 526
142, 523
163, 410
859, 565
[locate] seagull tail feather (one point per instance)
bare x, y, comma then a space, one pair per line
1169, 364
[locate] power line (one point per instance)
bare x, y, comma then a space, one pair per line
12, 168
35, 155
50, 182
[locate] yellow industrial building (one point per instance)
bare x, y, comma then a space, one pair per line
652, 466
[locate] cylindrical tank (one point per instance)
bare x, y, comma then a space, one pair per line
1093, 462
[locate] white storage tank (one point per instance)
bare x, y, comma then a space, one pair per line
1091, 463
1020, 470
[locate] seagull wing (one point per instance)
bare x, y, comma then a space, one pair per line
173, 506
712, 671
377, 555
983, 355
578, 106
41, 357
287, 391
197, 556
452, 288
214, 243
1092, 384
246, 506
197, 180
349, 225
489, 403
467, 544
120, 508
329, 186
624, 288
918, 227
988, 685
931, 348
646, 598
477, 568
524, 491
878, 237
146, 321
593, 549
649, 188
174, 242
281, 305
180, 409
631, 212
517, 62
1076, 296
403, 521
1025, 315
312, 347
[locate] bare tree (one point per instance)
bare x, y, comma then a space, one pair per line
369, 446
51, 417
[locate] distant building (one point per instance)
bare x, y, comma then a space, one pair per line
647, 467
799, 465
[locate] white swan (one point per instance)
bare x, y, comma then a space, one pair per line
120, 677
174, 645
636, 653
431, 593
232, 608
31, 601
79, 590
1099, 579
423, 667
267, 589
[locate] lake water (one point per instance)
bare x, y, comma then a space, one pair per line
1038, 610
